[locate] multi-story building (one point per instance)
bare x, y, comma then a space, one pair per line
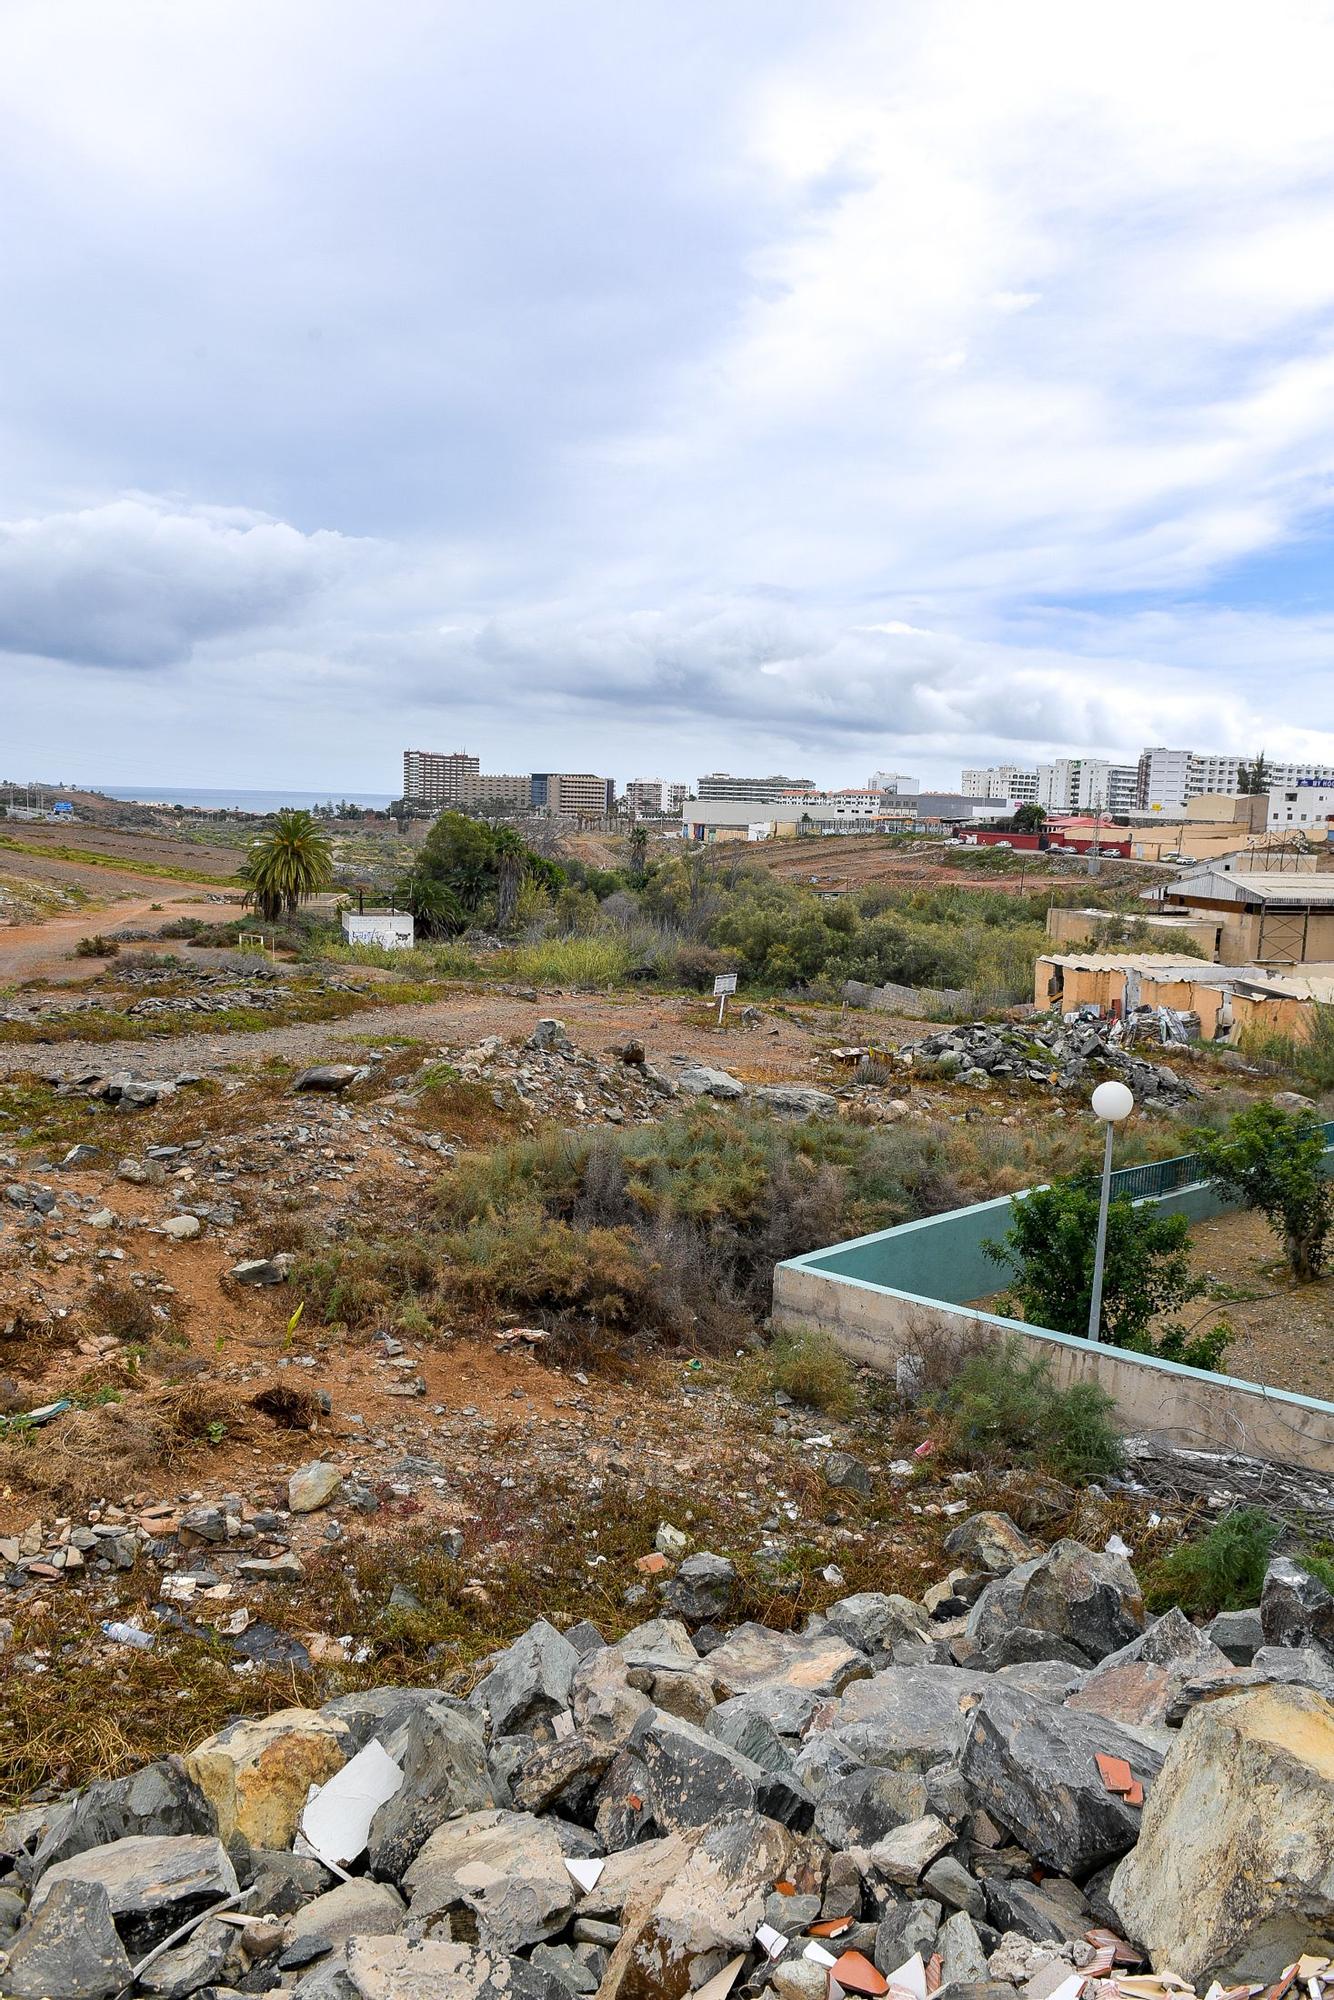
722, 785
454, 778
1169, 778
1002, 781
1304, 807
430, 777
897, 783
574, 794
653, 796
1086, 784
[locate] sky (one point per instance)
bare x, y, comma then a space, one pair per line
656, 389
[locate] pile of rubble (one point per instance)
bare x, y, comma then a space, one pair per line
1060, 1054
258, 987
1013, 1788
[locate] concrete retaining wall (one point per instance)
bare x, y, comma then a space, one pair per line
905, 1291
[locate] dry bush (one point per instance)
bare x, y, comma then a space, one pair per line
289, 1404
89, 1454
120, 1311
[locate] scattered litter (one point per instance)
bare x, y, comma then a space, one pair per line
925, 1448
337, 1820
1116, 1773
818, 1954
129, 1635
830, 1927
855, 1973
585, 1873
514, 1336
771, 1942
722, 1982
1114, 1546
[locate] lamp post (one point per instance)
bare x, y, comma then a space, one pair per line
1112, 1102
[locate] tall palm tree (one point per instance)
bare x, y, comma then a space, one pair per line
292, 862
511, 862
639, 849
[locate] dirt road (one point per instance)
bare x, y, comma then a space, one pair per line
42, 951
784, 1048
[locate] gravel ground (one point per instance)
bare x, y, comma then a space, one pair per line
1285, 1332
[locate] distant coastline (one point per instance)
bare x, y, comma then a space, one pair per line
236, 799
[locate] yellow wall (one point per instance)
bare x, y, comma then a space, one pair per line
1076, 927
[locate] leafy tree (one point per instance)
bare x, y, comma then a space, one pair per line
1049, 1249
1028, 819
1255, 778
1271, 1161
482, 866
291, 863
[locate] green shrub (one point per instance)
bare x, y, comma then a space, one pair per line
1273, 1162
96, 946
1003, 1406
1222, 1570
808, 1367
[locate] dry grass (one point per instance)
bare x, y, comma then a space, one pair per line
109, 1451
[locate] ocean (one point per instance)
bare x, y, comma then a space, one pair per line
234, 800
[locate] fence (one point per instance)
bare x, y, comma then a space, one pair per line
1159, 1177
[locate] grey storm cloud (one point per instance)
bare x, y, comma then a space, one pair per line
133, 584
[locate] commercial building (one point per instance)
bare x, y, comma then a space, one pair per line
800, 813
1067, 928
1086, 784
937, 811
574, 794
722, 785
898, 783
454, 778
1002, 781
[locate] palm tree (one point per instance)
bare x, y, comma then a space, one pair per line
436, 910
511, 862
638, 849
293, 862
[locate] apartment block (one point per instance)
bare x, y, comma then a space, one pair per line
654, 796
430, 777
1086, 784
722, 785
1168, 778
1002, 781
1305, 807
574, 794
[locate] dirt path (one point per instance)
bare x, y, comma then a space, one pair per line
41, 951
784, 1048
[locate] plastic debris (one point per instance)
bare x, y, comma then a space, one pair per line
336, 1821
129, 1635
771, 1942
585, 1873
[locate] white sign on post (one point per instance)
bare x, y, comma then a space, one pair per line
723, 984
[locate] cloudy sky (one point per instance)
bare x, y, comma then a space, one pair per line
659, 387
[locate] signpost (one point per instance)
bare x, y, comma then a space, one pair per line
724, 983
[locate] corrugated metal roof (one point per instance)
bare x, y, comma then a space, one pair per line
1270, 886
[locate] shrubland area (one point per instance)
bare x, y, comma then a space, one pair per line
508, 1279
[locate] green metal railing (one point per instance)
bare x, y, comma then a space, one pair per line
1165, 1176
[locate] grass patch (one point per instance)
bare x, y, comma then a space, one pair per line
300, 1003
89, 857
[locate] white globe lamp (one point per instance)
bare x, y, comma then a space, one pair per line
1113, 1104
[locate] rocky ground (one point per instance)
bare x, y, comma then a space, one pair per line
1014, 1784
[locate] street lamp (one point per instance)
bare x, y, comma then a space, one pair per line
1112, 1102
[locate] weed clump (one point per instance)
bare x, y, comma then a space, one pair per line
1004, 1405
96, 946
1222, 1570
807, 1366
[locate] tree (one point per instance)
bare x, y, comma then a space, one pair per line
511, 863
1049, 1250
1271, 1160
1027, 819
638, 851
1252, 779
292, 862
436, 910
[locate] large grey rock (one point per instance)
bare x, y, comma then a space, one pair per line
962, 1956
199, 1960
1089, 1599
359, 1908
159, 1799
703, 1589
795, 1100
68, 1947
1049, 1912
1135, 1686
744, 1726
529, 1682
1239, 1634
990, 1541
329, 1076
707, 1903
507, 1868
696, 1080
694, 1778
1034, 1769
613, 1686
552, 1036
1233, 1876
144, 1872
562, 1777
397, 1968
378, 1712
906, 1853
857, 1807
905, 1928
754, 1658
441, 1752
906, 1718
1296, 1609
876, 1621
